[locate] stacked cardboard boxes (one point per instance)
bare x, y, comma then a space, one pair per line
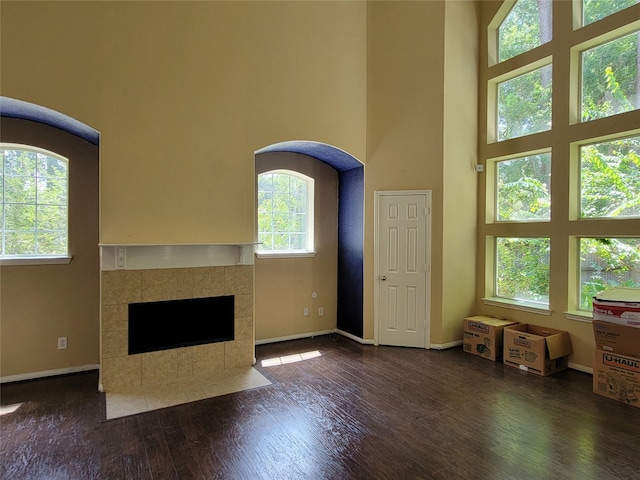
482, 336
616, 328
535, 349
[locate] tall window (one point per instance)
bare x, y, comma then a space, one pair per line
610, 179
35, 202
610, 77
594, 10
524, 104
528, 25
522, 269
285, 212
553, 249
523, 188
607, 263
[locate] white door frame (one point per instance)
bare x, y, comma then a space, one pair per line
376, 265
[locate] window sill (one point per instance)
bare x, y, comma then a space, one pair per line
517, 305
262, 255
579, 316
53, 260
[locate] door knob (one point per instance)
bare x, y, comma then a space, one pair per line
382, 277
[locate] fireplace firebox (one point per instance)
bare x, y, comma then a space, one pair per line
163, 325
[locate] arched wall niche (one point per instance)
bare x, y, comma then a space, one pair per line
350, 226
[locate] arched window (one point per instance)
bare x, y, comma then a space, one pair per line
34, 185
285, 212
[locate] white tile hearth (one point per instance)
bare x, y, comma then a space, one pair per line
152, 397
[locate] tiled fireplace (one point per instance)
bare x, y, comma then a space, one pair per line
138, 274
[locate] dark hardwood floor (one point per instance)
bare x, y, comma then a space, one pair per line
355, 412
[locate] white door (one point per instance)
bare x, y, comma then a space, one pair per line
402, 262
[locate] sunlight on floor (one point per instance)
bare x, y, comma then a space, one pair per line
298, 357
4, 409
153, 397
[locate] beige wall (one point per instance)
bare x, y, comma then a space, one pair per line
460, 181
183, 93
421, 135
39, 303
284, 286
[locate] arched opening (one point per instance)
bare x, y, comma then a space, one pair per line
45, 297
12, 108
350, 226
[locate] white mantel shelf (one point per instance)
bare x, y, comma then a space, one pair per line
121, 256
229, 244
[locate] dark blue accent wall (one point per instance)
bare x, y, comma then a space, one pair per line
12, 108
350, 251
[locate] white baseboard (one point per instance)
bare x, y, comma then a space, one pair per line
581, 368
443, 346
48, 373
363, 341
293, 337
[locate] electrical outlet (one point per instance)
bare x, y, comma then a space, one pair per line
320, 311
62, 343
306, 311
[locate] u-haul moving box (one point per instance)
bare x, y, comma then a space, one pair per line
482, 336
536, 349
615, 338
617, 377
618, 305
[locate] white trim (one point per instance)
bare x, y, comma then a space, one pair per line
579, 316
297, 336
284, 254
517, 305
186, 255
48, 373
581, 368
376, 255
224, 244
363, 341
444, 346
43, 260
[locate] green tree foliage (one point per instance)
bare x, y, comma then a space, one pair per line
610, 171
606, 263
594, 10
610, 178
522, 269
282, 212
609, 78
524, 104
521, 29
35, 203
523, 188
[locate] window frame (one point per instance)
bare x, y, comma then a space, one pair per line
309, 251
38, 259
492, 96
576, 81
563, 140
493, 215
578, 260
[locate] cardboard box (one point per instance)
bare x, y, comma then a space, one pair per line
617, 377
482, 336
615, 338
539, 350
618, 305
